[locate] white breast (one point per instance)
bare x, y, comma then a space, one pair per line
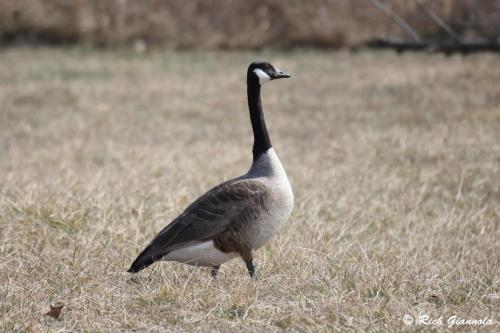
270, 171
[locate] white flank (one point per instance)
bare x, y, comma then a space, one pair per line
200, 254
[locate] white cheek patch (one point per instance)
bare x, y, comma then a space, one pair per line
263, 77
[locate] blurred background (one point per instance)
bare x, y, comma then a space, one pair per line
116, 114
239, 24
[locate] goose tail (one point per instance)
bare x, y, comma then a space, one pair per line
143, 260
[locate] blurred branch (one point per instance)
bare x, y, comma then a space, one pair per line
401, 45
438, 21
397, 19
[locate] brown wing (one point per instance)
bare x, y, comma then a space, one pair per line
210, 215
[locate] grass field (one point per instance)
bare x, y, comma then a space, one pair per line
394, 161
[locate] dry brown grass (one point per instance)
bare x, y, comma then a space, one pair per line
233, 24
395, 163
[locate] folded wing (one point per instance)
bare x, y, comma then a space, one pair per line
210, 215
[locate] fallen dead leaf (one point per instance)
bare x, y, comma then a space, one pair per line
55, 311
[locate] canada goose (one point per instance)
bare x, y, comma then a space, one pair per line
238, 216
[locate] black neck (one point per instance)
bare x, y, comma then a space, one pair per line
261, 141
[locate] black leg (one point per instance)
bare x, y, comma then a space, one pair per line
250, 267
215, 271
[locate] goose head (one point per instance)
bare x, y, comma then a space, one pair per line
262, 72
